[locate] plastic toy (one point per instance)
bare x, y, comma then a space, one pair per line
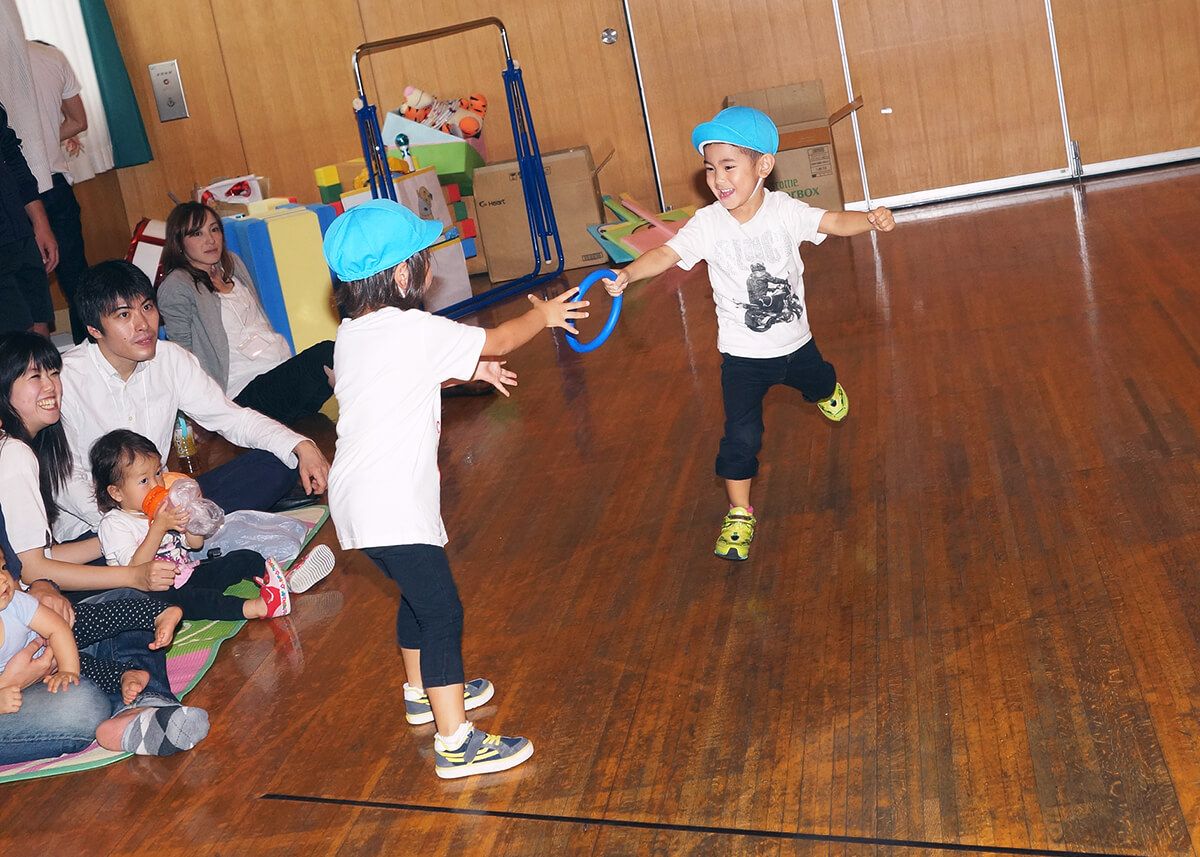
613, 314
183, 492
461, 117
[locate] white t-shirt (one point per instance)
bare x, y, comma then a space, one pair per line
15, 619
122, 533
21, 497
53, 83
384, 486
756, 272
254, 346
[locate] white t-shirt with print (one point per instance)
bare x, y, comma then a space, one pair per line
756, 272
122, 533
384, 486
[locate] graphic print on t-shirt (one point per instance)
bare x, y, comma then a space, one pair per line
772, 300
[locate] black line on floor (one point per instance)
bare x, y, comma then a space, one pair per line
692, 828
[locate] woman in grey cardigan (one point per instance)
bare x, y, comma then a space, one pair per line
211, 307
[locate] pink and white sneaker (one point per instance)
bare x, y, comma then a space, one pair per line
274, 591
310, 569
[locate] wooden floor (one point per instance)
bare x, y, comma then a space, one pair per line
971, 619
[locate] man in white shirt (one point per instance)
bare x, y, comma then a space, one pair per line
62, 115
125, 378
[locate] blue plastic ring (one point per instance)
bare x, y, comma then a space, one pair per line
613, 314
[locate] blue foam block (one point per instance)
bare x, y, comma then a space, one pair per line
469, 248
247, 236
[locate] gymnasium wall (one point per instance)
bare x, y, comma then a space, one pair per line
970, 85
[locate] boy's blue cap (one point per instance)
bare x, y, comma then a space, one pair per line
375, 236
741, 126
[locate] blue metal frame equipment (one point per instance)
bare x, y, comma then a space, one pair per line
543, 230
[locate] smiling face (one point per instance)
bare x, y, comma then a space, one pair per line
138, 477
203, 246
734, 178
36, 398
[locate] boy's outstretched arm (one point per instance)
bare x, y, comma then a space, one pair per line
644, 267
556, 312
847, 223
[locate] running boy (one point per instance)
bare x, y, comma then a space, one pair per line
750, 238
391, 360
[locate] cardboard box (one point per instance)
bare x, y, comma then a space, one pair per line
806, 166
572, 178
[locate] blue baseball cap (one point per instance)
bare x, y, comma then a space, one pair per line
740, 126
375, 236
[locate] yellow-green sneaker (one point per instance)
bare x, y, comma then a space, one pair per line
836, 406
737, 531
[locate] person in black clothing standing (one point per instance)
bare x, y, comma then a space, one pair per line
28, 250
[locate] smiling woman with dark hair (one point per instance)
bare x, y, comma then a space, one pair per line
33, 448
211, 306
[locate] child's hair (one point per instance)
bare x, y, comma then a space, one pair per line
188, 218
17, 351
111, 456
105, 286
359, 297
752, 154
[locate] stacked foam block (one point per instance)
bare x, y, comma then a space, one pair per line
462, 214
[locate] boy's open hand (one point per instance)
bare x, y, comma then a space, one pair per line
881, 219
61, 681
558, 312
494, 373
615, 287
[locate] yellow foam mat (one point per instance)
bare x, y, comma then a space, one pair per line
303, 276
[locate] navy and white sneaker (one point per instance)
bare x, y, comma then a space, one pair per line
476, 692
480, 753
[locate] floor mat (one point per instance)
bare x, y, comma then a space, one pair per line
193, 651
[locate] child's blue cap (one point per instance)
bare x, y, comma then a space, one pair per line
375, 236
740, 126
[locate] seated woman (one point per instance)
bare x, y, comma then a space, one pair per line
34, 462
211, 307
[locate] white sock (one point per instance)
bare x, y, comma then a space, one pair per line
453, 742
412, 694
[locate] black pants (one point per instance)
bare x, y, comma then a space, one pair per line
96, 622
203, 596
744, 384
24, 287
430, 617
293, 389
62, 209
132, 649
254, 480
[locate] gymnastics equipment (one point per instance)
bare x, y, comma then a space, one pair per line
543, 230
614, 312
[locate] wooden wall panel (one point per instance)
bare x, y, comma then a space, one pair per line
290, 79
971, 86
580, 90
695, 52
1130, 70
105, 222
186, 151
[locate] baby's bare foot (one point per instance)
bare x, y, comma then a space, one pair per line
164, 627
133, 682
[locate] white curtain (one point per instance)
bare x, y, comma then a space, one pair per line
60, 23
